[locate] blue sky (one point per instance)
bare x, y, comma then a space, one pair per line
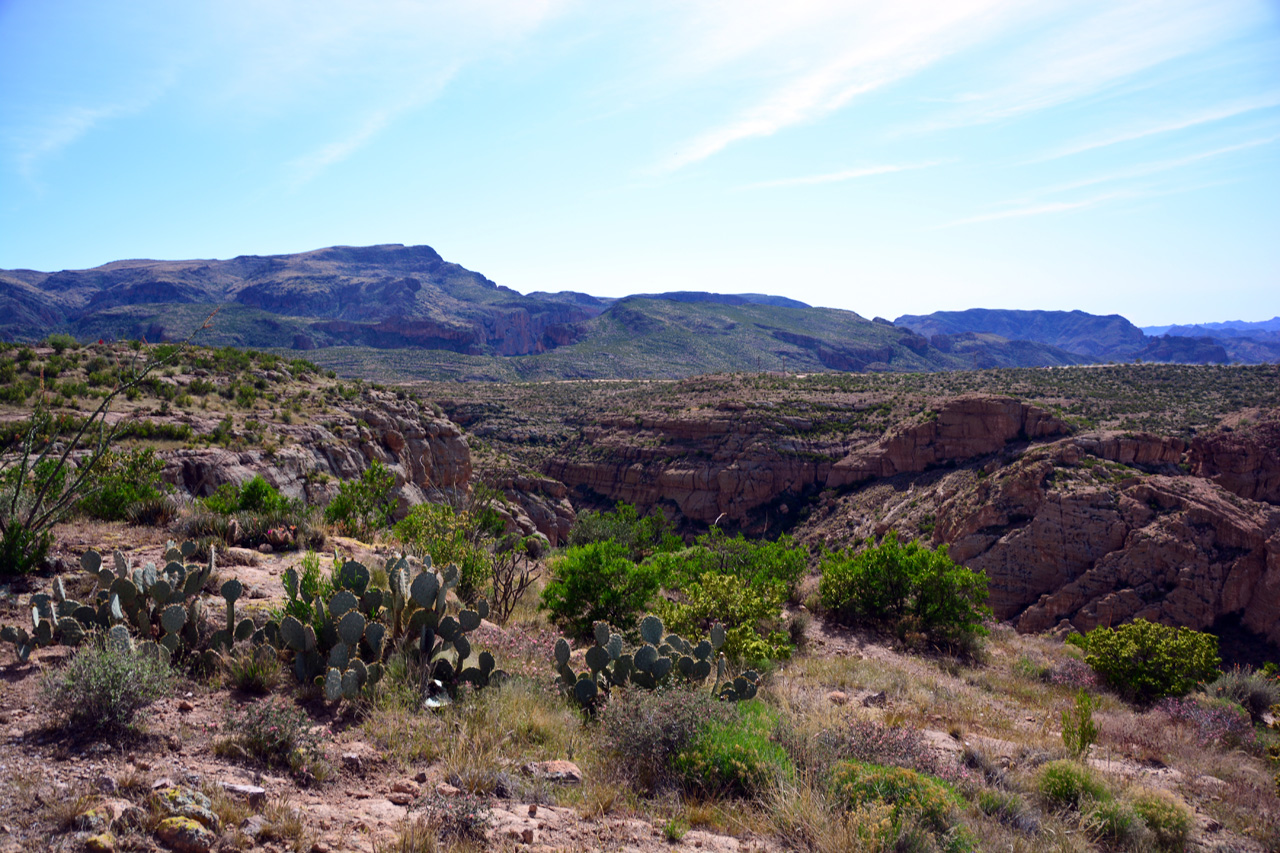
1116, 156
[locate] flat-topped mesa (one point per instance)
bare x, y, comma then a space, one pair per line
962, 428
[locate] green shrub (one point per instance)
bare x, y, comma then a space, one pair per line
737, 756
753, 629
1168, 819
597, 583
907, 588
1079, 732
917, 799
644, 730
365, 504
1114, 821
253, 669
1146, 661
641, 537
1066, 784
754, 562
123, 479
104, 688
300, 601
255, 495
453, 537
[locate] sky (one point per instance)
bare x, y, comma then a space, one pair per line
1112, 156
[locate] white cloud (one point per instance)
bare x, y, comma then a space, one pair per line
1206, 116
1046, 207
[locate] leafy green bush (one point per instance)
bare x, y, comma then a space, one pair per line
123, 479
255, 495
918, 800
1066, 784
641, 537
102, 691
454, 537
1164, 814
736, 755
908, 588
365, 504
301, 600
646, 729
597, 583
753, 629
1146, 661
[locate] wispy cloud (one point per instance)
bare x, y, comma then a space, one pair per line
1207, 116
1044, 208
846, 175
1145, 169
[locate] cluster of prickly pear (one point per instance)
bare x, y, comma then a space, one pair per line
419, 608
346, 646
653, 663
158, 605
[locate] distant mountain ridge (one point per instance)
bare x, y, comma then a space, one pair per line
1110, 337
408, 299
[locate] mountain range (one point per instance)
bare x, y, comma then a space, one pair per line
397, 309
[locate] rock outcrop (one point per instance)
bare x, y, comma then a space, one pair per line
960, 429
426, 452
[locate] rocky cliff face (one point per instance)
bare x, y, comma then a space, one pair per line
426, 453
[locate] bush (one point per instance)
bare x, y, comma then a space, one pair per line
1214, 721
1066, 784
255, 495
253, 669
366, 504
1114, 821
754, 562
123, 479
918, 800
1079, 732
1168, 819
646, 729
102, 691
750, 616
1145, 661
640, 537
461, 538
1255, 691
736, 756
908, 588
274, 733
597, 583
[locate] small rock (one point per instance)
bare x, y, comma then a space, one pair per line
444, 789
183, 802
104, 842
400, 799
533, 810
141, 765
95, 819
185, 707
526, 835
106, 784
555, 771
352, 760
838, 697
264, 548
184, 835
162, 782
421, 777
875, 700
407, 786
252, 793
1208, 824
320, 847
253, 825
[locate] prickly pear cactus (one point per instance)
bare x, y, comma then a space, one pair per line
654, 663
160, 608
